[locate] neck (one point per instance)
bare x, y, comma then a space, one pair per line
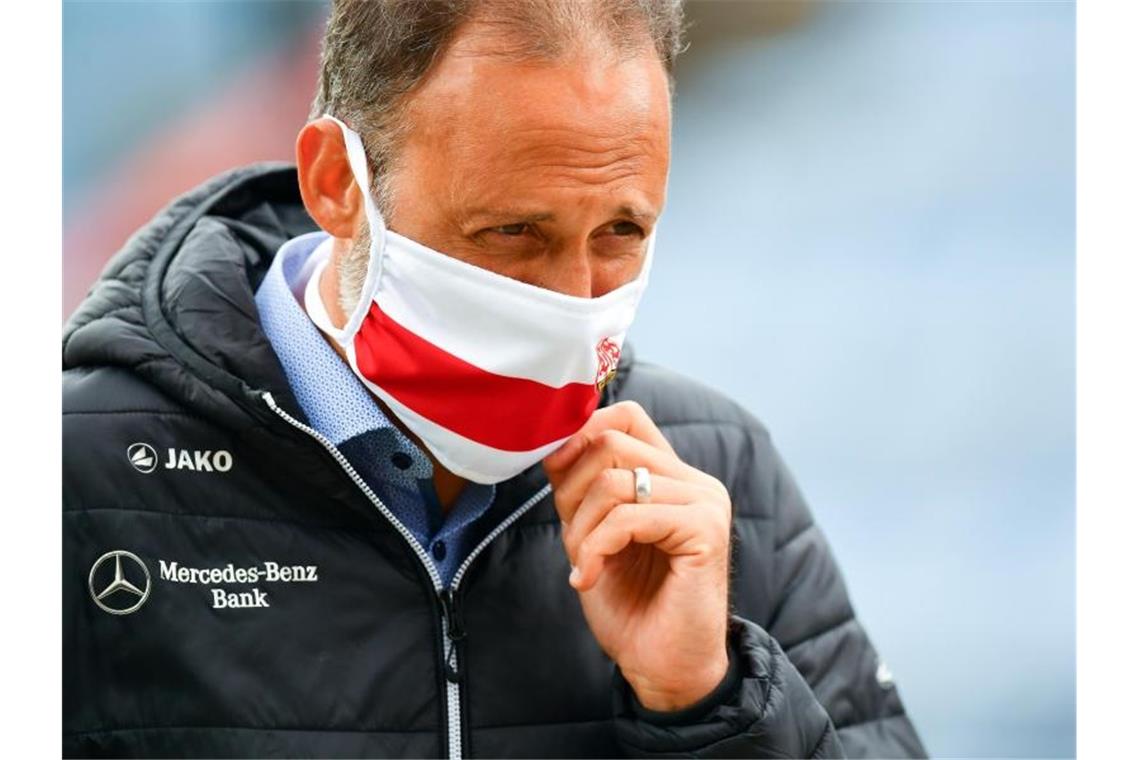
447, 484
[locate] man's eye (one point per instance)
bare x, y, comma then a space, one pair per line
625, 229
512, 230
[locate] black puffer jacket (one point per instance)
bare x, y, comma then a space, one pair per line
189, 481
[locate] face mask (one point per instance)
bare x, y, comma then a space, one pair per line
490, 373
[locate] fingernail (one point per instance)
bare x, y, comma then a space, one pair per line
575, 575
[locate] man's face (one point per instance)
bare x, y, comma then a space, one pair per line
552, 173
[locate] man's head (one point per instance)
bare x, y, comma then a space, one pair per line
528, 137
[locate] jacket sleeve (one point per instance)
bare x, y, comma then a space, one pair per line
806, 680
762, 708
810, 614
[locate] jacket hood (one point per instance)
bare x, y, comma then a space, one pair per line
175, 305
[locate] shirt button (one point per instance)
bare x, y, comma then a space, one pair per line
439, 550
401, 460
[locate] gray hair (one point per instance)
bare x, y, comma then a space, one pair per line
375, 54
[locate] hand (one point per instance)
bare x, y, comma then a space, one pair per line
653, 577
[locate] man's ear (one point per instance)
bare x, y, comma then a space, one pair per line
328, 189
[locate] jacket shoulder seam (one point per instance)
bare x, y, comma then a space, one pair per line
876, 719
715, 423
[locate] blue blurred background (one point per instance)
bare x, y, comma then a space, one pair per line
869, 243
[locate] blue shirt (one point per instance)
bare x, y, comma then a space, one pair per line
341, 408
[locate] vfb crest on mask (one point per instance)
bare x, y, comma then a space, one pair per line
608, 355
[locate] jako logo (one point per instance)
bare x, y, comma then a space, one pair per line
144, 459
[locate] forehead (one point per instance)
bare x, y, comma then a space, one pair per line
588, 111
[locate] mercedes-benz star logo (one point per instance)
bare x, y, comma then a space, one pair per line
119, 596
143, 458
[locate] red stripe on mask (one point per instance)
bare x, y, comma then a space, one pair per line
506, 413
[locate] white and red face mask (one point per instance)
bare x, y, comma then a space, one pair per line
490, 373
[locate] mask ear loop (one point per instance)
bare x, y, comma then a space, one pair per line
377, 231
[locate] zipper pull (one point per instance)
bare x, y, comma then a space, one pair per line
455, 630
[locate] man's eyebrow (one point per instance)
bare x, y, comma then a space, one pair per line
514, 214
640, 214
521, 215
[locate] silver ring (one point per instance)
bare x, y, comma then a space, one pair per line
642, 486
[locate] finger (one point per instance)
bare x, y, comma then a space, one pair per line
612, 449
625, 416
616, 486
564, 457
678, 530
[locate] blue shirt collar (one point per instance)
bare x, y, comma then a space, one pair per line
336, 403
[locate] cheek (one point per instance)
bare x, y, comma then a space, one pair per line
610, 274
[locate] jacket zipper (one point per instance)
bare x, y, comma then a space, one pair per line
451, 625
455, 631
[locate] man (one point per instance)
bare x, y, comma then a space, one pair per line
357, 461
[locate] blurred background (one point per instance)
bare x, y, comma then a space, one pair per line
869, 243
